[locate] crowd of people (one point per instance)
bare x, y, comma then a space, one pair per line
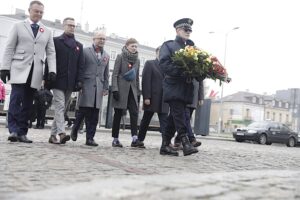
35, 63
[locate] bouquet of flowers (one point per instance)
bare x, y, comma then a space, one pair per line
218, 71
198, 63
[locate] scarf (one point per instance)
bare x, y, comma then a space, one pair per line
70, 41
130, 57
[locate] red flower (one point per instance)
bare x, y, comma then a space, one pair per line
42, 30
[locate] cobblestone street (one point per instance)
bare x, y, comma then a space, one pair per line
223, 169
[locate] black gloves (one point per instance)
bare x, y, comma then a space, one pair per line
5, 75
116, 95
200, 78
78, 86
52, 77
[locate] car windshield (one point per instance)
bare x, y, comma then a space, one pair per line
263, 125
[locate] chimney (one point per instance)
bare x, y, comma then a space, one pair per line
86, 27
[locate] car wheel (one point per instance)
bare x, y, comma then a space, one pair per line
239, 140
268, 143
262, 139
291, 142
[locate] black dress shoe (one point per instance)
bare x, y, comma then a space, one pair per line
91, 143
74, 134
13, 137
23, 138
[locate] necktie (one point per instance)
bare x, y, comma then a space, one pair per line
35, 28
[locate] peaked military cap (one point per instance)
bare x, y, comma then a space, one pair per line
184, 23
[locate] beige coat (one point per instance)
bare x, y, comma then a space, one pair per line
23, 49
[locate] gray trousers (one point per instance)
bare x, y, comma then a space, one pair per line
60, 102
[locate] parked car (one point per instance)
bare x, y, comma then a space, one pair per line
267, 132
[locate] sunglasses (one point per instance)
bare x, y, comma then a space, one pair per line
187, 30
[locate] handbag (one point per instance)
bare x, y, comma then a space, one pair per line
130, 75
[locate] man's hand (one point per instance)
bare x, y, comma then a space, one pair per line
5, 75
147, 102
52, 77
116, 95
78, 86
105, 92
200, 102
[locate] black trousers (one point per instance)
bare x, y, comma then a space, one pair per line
176, 120
40, 115
21, 99
133, 111
91, 116
78, 120
144, 125
188, 115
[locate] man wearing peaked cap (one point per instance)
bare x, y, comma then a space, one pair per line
177, 88
184, 23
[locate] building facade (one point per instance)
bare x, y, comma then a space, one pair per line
242, 108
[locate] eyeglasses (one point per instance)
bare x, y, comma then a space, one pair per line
71, 25
100, 38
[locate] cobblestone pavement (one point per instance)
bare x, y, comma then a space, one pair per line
223, 169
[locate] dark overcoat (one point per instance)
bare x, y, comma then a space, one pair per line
176, 86
152, 79
122, 85
94, 78
69, 64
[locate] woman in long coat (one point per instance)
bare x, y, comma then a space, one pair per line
125, 88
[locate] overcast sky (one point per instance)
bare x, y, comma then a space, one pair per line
262, 55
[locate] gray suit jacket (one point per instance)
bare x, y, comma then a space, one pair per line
23, 49
95, 78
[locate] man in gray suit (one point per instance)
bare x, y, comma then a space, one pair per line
94, 87
28, 44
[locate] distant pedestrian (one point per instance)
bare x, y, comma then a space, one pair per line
125, 88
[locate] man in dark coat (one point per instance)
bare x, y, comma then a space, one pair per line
177, 88
69, 63
152, 78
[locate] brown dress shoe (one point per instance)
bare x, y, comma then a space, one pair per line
64, 138
53, 140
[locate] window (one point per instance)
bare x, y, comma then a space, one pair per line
286, 105
273, 103
279, 104
247, 112
280, 117
142, 61
253, 99
287, 118
268, 115
113, 55
274, 114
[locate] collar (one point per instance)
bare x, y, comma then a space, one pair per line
31, 22
181, 41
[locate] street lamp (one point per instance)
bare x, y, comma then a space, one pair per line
220, 120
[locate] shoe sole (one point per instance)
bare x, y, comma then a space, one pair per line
190, 152
168, 154
65, 139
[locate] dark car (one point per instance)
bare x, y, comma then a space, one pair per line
267, 132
